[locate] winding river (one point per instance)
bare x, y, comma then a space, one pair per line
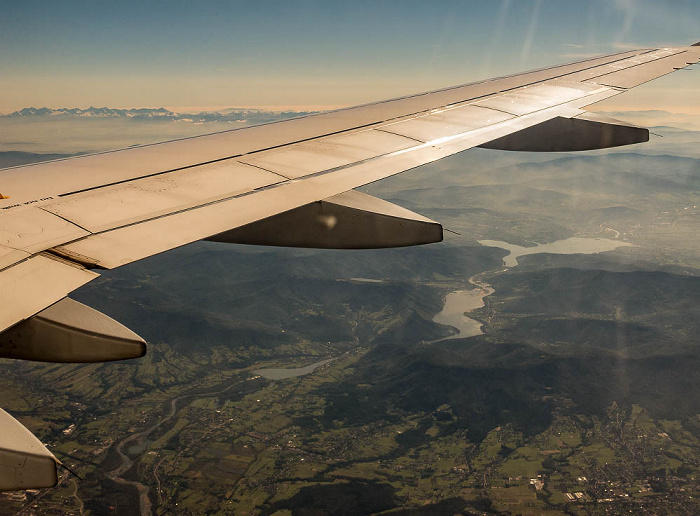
454, 313
127, 463
460, 302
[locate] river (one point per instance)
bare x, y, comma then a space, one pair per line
460, 302
145, 508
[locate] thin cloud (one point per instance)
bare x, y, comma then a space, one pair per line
531, 31
629, 11
578, 55
496, 35
626, 46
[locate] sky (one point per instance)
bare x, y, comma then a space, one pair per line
199, 55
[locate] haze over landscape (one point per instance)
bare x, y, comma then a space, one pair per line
315, 55
287, 381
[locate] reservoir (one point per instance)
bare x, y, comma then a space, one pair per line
461, 302
280, 373
457, 304
573, 245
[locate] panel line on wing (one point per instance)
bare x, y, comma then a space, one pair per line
384, 130
492, 108
43, 208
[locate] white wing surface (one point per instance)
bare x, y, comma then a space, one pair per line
284, 183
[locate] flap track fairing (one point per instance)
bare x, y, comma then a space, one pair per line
588, 131
351, 220
69, 331
25, 463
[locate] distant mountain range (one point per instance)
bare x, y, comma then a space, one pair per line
227, 115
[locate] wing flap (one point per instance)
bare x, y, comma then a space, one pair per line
32, 230
129, 203
30, 286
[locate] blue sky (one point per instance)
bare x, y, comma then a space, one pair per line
309, 53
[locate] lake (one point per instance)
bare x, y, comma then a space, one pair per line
460, 302
281, 373
575, 245
456, 304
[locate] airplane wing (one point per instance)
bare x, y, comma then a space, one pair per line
285, 183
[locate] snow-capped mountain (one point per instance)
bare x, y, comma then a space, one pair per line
93, 112
227, 115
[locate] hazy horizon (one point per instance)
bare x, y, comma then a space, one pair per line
317, 55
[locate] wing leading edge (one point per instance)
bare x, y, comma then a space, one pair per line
285, 183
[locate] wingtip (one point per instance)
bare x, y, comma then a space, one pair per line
696, 44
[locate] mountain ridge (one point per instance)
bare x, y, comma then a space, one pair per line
160, 113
